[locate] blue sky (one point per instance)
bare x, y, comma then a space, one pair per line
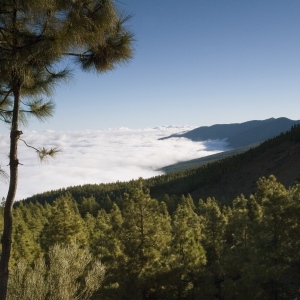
196, 63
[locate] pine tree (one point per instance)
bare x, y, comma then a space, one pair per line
213, 228
35, 37
106, 245
145, 235
65, 225
214, 225
33, 216
101, 238
24, 244
88, 205
292, 246
90, 223
187, 257
258, 262
237, 260
272, 240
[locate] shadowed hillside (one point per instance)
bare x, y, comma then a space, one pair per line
282, 160
197, 162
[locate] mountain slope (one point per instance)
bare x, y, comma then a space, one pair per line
197, 162
283, 161
240, 134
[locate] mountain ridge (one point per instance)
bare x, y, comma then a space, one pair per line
239, 135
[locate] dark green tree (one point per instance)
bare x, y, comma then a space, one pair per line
36, 37
146, 236
213, 228
237, 260
65, 225
25, 246
262, 259
274, 239
106, 245
187, 258
214, 225
102, 242
88, 205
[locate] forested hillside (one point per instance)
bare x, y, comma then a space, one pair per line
196, 162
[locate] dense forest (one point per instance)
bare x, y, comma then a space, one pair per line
203, 250
119, 241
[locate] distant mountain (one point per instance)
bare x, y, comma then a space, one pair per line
239, 135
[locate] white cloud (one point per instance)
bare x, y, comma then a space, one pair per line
99, 156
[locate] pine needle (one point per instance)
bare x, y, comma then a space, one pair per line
45, 154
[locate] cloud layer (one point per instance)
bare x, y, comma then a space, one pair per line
99, 156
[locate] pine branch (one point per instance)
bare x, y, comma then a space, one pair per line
40, 109
43, 153
6, 116
5, 102
29, 145
43, 82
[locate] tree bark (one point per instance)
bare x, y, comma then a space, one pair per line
6, 239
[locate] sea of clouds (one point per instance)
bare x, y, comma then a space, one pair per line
99, 156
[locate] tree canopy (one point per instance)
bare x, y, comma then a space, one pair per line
204, 251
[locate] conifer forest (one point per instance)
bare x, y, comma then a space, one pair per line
139, 250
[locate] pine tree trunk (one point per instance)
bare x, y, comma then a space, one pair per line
13, 164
